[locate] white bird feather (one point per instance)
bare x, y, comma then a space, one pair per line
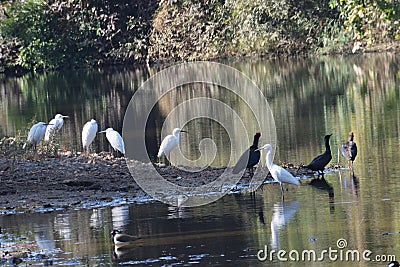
169, 143
89, 132
115, 139
54, 126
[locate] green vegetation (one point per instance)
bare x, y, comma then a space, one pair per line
53, 34
14, 148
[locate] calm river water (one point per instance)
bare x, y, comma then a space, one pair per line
356, 212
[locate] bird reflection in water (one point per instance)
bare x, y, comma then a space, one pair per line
124, 244
283, 213
123, 253
120, 216
350, 182
322, 184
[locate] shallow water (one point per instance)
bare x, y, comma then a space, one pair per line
228, 232
308, 97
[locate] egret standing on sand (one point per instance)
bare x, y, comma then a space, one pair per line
277, 172
349, 150
115, 139
54, 126
319, 162
36, 134
88, 134
169, 143
249, 158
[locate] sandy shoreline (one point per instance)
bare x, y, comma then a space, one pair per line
76, 181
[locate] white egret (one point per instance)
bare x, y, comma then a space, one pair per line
169, 143
89, 133
278, 173
54, 126
36, 134
115, 139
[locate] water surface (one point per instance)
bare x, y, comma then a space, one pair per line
309, 98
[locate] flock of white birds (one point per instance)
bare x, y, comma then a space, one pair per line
89, 131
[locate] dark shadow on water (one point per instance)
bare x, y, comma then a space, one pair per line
321, 184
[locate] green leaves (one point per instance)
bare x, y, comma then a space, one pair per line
57, 34
53, 34
370, 22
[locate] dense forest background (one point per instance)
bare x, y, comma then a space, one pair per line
55, 34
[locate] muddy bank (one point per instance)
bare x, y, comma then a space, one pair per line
65, 182
76, 181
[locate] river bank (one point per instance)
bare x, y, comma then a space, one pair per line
84, 181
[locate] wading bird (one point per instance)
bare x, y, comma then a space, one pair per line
36, 134
277, 172
249, 158
88, 134
169, 143
54, 126
349, 150
319, 163
121, 240
115, 139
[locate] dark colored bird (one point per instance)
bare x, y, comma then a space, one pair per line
319, 163
249, 158
393, 264
349, 150
121, 240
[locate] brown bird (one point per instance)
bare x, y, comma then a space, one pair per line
121, 240
349, 150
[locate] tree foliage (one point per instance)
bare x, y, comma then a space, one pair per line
51, 34
55, 34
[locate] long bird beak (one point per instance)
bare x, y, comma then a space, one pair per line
183, 131
261, 148
49, 124
102, 131
65, 116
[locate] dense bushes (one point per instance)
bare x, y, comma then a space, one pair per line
72, 33
370, 21
48, 34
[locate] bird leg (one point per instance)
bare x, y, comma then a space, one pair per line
350, 164
338, 156
282, 191
251, 172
